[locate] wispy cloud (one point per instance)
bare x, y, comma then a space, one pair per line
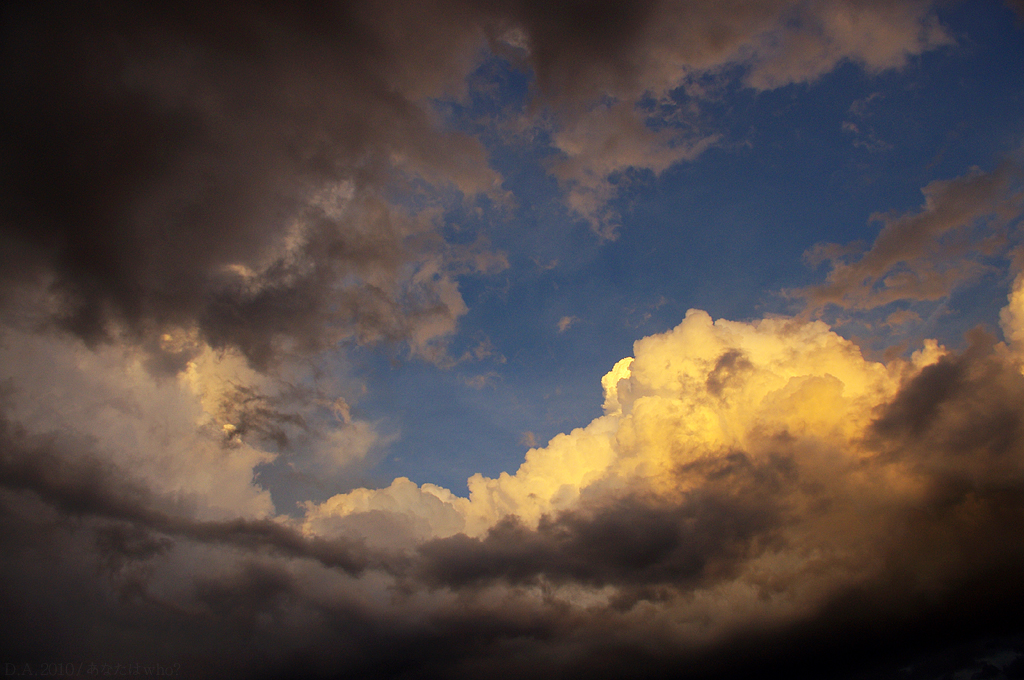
566, 322
924, 255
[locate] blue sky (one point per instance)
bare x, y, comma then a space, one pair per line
725, 232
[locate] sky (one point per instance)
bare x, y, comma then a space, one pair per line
463, 339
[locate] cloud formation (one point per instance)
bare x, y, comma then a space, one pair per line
748, 479
223, 169
750, 482
924, 255
198, 206
611, 74
227, 168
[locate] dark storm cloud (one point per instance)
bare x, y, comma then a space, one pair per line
629, 541
962, 414
149, 149
165, 165
959, 427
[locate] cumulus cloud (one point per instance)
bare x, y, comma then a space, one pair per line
752, 485
702, 390
748, 479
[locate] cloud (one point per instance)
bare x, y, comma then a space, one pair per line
89, 487
901, 317
753, 486
233, 172
161, 430
876, 35
482, 380
602, 68
206, 434
566, 322
923, 255
224, 170
629, 542
584, 51
750, 481
607, 141
703, 389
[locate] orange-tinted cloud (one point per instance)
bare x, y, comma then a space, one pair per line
749, 483
923, 255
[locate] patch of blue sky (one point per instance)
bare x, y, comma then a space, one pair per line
799, 165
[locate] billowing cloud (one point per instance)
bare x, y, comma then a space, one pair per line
750, 481
748, 477
223, 169
767, 467
200, 205
227, 169
702, 391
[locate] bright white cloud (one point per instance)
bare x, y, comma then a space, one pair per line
703, 389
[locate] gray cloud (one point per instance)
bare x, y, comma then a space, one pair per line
88, 487
629, 541
221, 166
173, 167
